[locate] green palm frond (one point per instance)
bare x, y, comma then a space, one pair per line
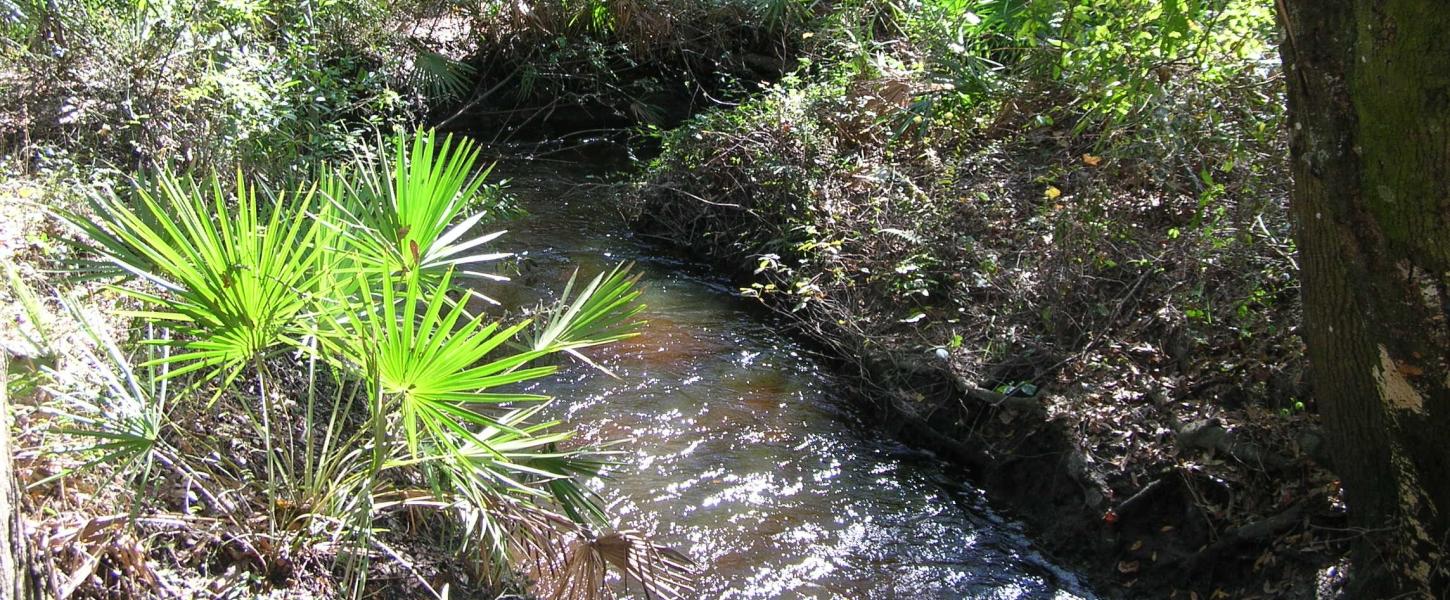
359, 272
431, 359
440, 77
417, 210
122, 422
602, 312
523, 458
232, 281
782, 14
436, 369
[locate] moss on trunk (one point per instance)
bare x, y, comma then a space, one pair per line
1369, 99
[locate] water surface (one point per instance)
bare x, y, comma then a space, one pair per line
745, 455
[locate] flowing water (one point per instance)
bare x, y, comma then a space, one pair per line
744, 455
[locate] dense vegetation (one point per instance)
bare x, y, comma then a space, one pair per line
1052, 239
1048, 238
252, 295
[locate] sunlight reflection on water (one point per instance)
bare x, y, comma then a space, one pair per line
743, 455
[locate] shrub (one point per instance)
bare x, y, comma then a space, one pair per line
212, 85
405, 403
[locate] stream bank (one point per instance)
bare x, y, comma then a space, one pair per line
1111, 365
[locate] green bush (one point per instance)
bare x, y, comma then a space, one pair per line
1176, 86
209, 84
405, 406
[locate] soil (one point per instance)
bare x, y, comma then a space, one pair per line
1162, 455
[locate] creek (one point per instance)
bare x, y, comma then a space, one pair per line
744, 451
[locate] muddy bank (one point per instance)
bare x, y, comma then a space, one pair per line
1065, 346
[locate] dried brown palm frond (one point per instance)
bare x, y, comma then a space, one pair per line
663, 572
538, 538
580, 574
660, 572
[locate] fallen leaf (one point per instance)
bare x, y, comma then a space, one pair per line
1092, 161
1128, 567
1052, 192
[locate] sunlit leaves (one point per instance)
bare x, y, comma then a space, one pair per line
600, 313
429, 360
416, 210
357, 270
231, 280
122, 422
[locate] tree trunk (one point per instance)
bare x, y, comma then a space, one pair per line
1369, 111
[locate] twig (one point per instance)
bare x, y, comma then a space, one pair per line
478, 97
406, 565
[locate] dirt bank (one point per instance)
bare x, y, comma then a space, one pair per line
1111, 353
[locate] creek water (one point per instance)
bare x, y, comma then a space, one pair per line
743, 454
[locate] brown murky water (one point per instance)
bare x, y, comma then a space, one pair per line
743, 454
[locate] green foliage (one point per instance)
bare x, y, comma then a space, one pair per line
1184, 82
413, 415
233, 288
1025, 176
640, 61
431, 361
124, 422
439, 76
403, 215
602, 312
215, 84
782, 15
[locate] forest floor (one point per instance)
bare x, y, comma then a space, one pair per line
1112, 353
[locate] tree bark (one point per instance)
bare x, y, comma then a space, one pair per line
1369, 116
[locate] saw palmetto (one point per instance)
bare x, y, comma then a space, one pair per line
227, 275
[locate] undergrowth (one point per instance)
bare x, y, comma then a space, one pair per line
912, 182
305, 380
211, 85
1074, 208
600, 64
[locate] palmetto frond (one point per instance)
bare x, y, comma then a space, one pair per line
232, 281
579, 573
430, 358
602, 312
416, 211
439, 77
124, 419
359, 271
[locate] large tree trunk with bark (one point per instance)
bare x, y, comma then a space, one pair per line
1369, 108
